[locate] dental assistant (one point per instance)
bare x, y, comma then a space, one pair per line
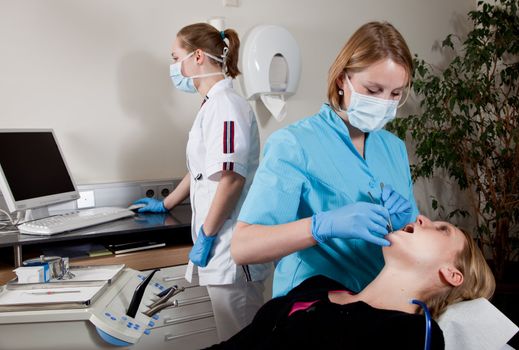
310, 207
222, 157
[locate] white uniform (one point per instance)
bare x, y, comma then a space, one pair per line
224, 136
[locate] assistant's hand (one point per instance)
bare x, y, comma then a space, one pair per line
362, 220
199, 254
152, 205
398, 207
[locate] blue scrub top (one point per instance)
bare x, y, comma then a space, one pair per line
313, 166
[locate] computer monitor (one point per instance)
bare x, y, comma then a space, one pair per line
33, 172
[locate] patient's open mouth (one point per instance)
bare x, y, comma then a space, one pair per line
409, 228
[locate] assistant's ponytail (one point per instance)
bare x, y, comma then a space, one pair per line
231, 59
207, 38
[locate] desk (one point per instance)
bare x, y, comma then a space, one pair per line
173, 227
191, 325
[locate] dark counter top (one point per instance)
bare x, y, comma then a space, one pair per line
177, 218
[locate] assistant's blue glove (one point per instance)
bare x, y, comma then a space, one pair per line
152, 205
398, 207
361, 220
199, 254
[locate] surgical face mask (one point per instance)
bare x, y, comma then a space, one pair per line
368, 113
184, 83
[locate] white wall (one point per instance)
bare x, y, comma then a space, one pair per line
97, 70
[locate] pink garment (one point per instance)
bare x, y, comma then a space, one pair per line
303, 305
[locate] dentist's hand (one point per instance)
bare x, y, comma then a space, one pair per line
360, 220
152, 205
398, 207
199, 254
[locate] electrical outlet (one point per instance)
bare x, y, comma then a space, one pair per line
86, 199
163, 190
149, 191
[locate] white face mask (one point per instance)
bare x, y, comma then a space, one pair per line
184, 83
368, 113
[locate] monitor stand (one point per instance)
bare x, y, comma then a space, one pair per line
36, 213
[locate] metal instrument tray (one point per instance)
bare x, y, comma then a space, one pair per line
83, 275
45, 296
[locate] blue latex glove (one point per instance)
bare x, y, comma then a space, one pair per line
152, 205
360, 220
398, 207
199, 254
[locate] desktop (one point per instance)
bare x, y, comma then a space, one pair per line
33, 172
34, 175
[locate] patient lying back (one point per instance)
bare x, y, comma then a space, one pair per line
434, 262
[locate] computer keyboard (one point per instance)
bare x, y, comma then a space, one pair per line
73, 220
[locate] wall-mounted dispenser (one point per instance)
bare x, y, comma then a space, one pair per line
271, 67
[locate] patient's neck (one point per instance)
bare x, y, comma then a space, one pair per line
391, 290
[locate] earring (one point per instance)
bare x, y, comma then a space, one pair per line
341, 92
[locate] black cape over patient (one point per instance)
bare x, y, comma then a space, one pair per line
326, 325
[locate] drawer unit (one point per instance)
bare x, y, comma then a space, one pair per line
194, 334
190, 325
169, 276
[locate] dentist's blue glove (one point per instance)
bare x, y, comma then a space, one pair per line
398, 207
152, 205
199, 254
359, 220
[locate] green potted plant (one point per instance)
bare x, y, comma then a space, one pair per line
469, 125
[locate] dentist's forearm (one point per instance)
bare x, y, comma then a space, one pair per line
254, 244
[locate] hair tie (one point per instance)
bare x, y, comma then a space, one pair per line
222, 34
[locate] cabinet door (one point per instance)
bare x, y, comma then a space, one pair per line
172, 275
195, 334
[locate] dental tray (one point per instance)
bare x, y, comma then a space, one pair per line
83, 275
45, 296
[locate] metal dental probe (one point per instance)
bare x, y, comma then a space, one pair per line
389, 226
389, 220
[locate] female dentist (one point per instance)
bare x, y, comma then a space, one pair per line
331, 186
222, 157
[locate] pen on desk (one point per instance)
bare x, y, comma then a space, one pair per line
51, 292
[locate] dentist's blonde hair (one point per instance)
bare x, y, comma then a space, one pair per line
372, 42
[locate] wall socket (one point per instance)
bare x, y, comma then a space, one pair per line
149, 191
163, 190
157, 189
86, 199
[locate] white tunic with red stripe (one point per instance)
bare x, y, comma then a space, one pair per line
224, 136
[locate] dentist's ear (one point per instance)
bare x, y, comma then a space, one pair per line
340, 81
451, 275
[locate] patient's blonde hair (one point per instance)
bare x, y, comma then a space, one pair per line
478, 280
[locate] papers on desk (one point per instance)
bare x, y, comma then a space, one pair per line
96, 273
81, 295
129, 247
78, 292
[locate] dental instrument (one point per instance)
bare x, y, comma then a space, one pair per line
389, 225
389, 221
